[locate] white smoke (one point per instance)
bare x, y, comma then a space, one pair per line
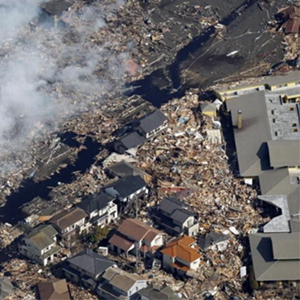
47, 73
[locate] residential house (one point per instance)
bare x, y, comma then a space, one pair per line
151, 124
157, 293
127, 188
117, 284
133, 235
291, 18
129, 143
6, 288
176, 218
40, 244
57, 290
100, 208
86, 268
181, 255
213, 239
125, 169
69, 223
209, 109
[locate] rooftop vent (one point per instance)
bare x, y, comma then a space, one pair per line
275, 112
278, 133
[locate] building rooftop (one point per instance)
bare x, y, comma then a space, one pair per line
126, 186
95, 202
124, 169
132, 140
266, 120
181, 248
158, 293
57, 290
91, 262
152, 121
68, 218
56, 7
42, 236
268, 267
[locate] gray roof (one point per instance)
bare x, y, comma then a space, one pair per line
251, 139
91, 262
128, 185
121, 279
158, 293
266, 268
6, 288
169, 204
286, 246
210, 239
208, 107
282, 79
152, 121
56, 7
67, 218
42, 236
284, 153
132, 140
124, 169
181, 215
95, 202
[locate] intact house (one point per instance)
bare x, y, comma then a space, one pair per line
181, 255
57, 290
40, 245
127, 188
157, 292
86, 268
175, 217
136, 237
117, 284
151, 124
69, 224
100, 208
129, 143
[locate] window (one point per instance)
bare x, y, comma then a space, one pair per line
294, 124
295, 130
291, 108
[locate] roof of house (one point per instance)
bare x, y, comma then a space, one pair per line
56, 7
152, 121
42, 236
95, 202
91, 262
158, 293
208, 107
68, 218
169, 204
124, 169
132, 140
292, 16
181, 215
135, 230
128, 185
210, 239
57, 290
121, 279
181, 248
6, 288
272, 260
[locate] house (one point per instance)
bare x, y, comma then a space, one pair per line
57, 290
291, 18
157, 293
181, 255
129, 143
56, 7
151, 124
86, 268
100, 208
6, 288
175, 217
127, 188
133, 235
125, 169
117, 284
40, 244
209, 109
69, 223
211, 239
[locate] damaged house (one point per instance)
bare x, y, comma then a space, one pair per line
290, 16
